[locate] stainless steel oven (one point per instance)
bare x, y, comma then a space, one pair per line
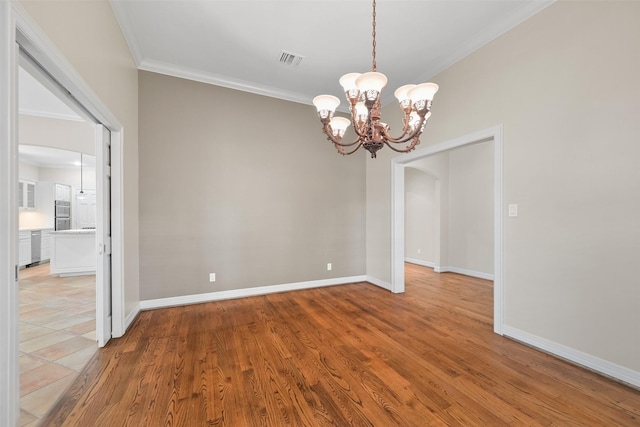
63, 224
62, 209
62, 215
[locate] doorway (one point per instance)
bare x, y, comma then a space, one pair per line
494, 134
19, 34
57, 278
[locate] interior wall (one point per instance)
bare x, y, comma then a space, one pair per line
79, 136
28, 171
89, 37
421, 217
70, 176
471, 209
437, 166
225, 188
569, 101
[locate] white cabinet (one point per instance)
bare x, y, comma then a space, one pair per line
63, 192
24, 248
73, 252
45, 248
26, 194
46, 196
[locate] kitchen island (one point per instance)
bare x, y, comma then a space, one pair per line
73, 252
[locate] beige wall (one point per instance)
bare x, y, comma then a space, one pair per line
565, 86
470, 232
88, 36
463, 203
56, 133
243, 186
421, 216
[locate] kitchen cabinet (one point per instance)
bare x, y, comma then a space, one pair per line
46, 196
26, 194
63, 192
24, 248
45, 251
73, 252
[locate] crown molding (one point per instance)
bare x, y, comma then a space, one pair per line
224, 81
127, 31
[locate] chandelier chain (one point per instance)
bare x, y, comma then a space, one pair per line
374, 67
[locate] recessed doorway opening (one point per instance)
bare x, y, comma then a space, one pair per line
400, 163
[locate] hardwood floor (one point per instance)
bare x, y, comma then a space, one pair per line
352, 355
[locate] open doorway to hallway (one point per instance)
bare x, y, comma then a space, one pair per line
398, 166
449, 211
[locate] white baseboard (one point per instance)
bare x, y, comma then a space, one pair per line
420, 262
594, 363
471, 273
379, 283
247, 292
131, 317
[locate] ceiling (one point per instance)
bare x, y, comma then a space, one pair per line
35, 99
239, 43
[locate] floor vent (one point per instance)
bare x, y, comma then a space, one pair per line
290, 59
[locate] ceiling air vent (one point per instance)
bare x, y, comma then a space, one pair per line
290, 59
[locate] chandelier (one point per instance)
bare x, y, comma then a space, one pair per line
363, 94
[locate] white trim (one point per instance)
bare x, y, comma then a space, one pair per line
398, 165
118, 320
247, 292
420, 262
49, 114
613, 370
127, 31
498, 229
48, 55
9, 365
380, 283
224, 81
464, 271
132, 316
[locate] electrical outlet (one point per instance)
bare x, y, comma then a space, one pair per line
212, 277
328, 266
419, 251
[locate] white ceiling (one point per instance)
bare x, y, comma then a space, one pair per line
35, 99
238, 43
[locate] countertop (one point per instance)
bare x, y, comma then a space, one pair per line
80, 231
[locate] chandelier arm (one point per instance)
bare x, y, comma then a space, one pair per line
346, 153
337, 142
406, 149
404, 138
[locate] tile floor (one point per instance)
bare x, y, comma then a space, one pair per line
57, 337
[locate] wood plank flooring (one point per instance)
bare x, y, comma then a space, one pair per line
352, 355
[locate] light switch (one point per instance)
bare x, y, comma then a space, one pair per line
513, 209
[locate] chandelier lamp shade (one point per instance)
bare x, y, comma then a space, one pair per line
363, 95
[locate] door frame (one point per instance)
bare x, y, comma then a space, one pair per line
398, 165
17, 26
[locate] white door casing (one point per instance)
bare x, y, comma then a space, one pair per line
9, 367
17, 26
103, 235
